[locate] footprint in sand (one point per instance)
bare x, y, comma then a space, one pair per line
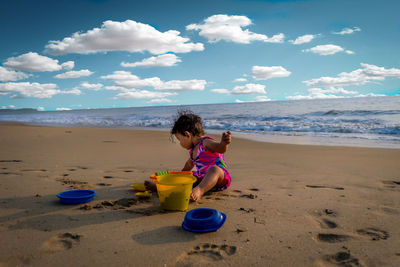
391, 184
10, 173
390, 210
66, 181
330, 212
74, 184
324, 222
374, 233
82, 167
230, 194
61, 242
251, 196
332, 238
104, 184
324, 186
220, 195
206, 253
327, 212
34, 170
148, 211
247, 210
122, 203
341, 259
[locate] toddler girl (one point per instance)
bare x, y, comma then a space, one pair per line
204, 152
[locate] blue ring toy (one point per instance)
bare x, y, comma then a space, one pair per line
203, 220
76, 196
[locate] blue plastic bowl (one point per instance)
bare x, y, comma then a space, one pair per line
203, 220
76, 196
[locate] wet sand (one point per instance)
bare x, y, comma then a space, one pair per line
288, 205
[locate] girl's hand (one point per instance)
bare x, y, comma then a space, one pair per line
226, 138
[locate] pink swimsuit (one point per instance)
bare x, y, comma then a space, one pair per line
207, 158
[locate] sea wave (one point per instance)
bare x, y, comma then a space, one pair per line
353, 112
233, 123
363, 118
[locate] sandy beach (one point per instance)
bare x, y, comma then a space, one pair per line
288, 205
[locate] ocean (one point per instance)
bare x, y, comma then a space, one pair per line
362, 122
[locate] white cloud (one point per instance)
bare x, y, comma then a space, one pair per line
309, 97
36, 90
74, 74
11, 75
129, 36
318, 93
74, 91
159, 101
369, 95
127, 80
63, 109
91, 86
187, 85
9, 106
262, 98
357, 77
303, 39
331, 90
69, 65
35, 63
230, 28
141, 94
325, 50
27, 89
333, 85
277, 38
165, 60
239, 80
265, 73
220, 91
349, 52
116, 88
348, 31
249, 88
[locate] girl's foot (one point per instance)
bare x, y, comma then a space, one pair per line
150, 185
196, 194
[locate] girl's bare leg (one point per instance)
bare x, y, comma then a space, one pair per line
215, 176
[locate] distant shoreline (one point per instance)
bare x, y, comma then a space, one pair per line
264, 138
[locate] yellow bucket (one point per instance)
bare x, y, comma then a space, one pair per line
174, 190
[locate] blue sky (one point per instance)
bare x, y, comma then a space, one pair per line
103, 54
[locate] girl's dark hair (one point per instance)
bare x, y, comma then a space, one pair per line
186, 120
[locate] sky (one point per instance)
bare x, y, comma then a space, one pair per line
62, 55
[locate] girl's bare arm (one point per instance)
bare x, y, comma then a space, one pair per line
220, 147
188, 165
